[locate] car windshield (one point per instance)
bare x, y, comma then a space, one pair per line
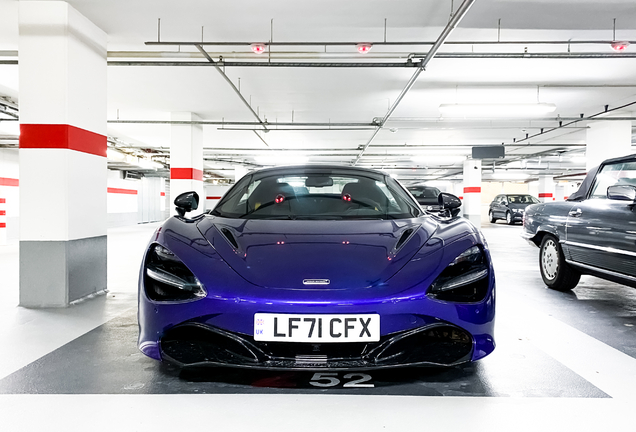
316, 195
522, 199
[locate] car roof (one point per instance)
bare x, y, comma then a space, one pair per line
317, 168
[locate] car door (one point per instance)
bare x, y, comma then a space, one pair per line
601, 232
496, 206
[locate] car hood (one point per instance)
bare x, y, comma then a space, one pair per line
310, 255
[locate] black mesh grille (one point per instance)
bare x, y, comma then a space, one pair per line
197, 344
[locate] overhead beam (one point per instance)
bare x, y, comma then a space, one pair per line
454, 21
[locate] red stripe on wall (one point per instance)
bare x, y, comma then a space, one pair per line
3, 212
163, 194
186, 174
3, 200
213, 197
472, 189
545, 195
60, 136
3, 225
122, 191
9, 182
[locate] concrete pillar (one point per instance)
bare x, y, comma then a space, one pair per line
186, 160
62, 71
607, 139
472, 191
546, 188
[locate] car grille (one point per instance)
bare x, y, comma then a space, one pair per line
195, 344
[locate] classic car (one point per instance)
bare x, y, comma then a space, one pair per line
316, 267
593, 232
510, 207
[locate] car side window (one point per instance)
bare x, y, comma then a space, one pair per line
613, 174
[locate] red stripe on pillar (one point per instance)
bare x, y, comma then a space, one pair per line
186, 174
163, 194
122, 191
472, 189
3, 225
9, 182
545, 195
60, 136
3, 200
3, 212
213, 197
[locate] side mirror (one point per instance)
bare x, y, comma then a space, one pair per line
622, 193
186, 202
449, 203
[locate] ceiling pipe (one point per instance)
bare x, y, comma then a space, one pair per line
435, 121
236, 90
454, 21
230, 123
397, 43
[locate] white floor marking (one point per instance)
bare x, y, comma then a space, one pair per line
282, 413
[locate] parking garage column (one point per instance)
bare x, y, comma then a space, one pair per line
472, 191
546, 188
62, 71
186, 159
607, 139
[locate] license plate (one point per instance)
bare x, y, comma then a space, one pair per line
316, 328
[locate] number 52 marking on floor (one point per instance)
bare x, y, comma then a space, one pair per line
330, 379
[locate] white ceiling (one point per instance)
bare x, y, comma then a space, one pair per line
357, 95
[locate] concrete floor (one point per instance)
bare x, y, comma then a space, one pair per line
564, 361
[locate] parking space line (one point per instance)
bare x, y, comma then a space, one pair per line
607, 368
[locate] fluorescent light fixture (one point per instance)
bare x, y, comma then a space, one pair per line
436, 159
149, 164
10, 128
115, 155
281, 158
510, 175
496, 110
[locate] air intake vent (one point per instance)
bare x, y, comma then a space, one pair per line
405, 236
228, 235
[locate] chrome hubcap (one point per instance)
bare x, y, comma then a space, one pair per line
550, 259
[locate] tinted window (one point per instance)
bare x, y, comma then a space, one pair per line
614, 174
316, 195
522, 199
424, 192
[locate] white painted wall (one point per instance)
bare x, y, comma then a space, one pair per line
213, 194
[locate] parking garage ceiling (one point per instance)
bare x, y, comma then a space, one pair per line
321, 100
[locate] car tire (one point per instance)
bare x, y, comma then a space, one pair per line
492, 217
509, 219
556, 273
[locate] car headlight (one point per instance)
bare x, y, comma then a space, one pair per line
166, 277
464, 280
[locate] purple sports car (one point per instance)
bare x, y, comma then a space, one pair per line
317, 267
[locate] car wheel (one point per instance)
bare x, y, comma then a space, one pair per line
491, 217
556, 273
509, 219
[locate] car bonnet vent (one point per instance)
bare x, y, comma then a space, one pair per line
228, 235
405, 236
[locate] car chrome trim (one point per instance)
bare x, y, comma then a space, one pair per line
602, 270
316, 281
601, 248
